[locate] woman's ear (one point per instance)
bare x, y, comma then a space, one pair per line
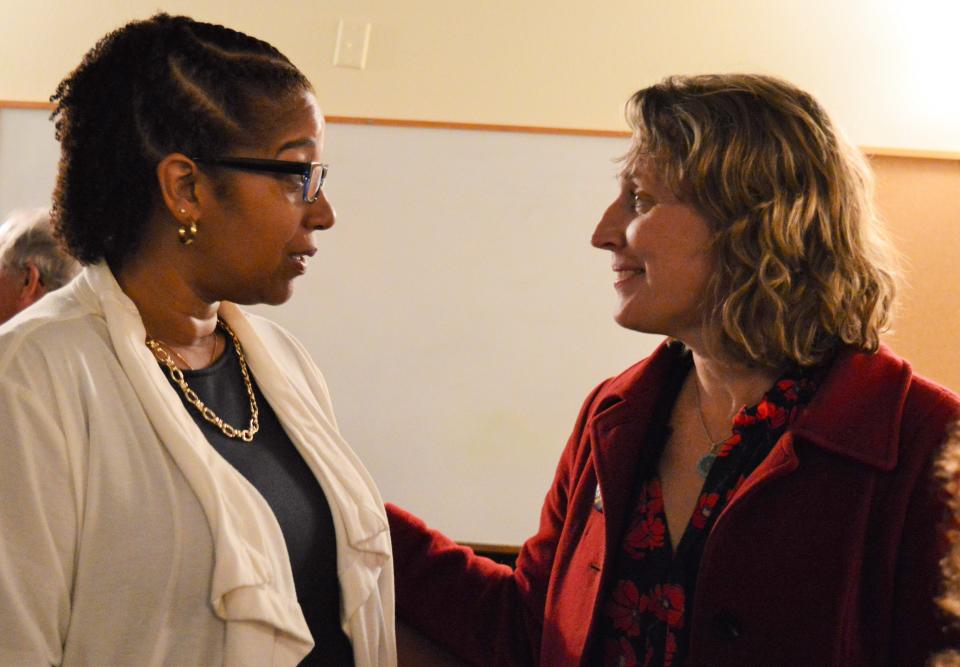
177, 176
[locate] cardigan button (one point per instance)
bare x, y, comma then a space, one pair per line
727, 625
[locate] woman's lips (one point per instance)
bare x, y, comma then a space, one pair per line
299, 259
626, 275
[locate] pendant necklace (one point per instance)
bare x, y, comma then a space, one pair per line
706, 461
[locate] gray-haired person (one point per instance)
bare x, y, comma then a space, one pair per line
32, 261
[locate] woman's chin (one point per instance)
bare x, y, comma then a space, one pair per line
268, 295
630, 321
278, 297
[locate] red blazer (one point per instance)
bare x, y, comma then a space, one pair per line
827, 554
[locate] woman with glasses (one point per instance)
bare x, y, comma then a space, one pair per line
174, 489
758, 491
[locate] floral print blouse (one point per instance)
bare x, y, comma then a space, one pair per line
645, 613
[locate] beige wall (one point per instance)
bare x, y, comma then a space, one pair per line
878, 65
921, 201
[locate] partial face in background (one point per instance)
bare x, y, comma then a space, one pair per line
10, 285
18, 289
660, 251
255, 228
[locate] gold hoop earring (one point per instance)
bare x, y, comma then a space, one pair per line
186, 232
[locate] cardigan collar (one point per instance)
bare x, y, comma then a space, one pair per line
855, 412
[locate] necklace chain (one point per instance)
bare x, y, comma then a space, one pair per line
169, 348
175, 353
706, 461
160, 352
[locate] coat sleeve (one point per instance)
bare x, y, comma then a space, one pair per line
38, 524
486, 613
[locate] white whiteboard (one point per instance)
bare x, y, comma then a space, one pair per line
28, 159
457, 308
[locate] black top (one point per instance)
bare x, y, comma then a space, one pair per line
275, 468
645, 614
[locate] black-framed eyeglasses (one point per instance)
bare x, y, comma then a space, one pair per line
313, 174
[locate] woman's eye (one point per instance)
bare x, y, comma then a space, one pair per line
640, 203
293, 181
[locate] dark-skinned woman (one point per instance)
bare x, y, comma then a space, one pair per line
759, 490
174, 488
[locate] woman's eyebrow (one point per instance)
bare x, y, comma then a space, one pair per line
297, 143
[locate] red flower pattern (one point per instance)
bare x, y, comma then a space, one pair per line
729, 445
775, 415
667, 604
647, 529
788, 388
653, 497
626, 606
646, 533
620, 653
705, 506
670, 649
742, 419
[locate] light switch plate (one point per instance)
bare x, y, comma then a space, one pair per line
353, 40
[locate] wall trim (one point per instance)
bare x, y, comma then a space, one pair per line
483, 127
878, 151
20, 104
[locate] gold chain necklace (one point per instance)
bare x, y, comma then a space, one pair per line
160, 352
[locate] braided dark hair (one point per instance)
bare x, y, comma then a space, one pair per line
154, 87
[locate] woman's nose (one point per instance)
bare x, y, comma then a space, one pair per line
609, 231
320, 214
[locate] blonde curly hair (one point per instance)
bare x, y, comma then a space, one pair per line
948, 471
803, 263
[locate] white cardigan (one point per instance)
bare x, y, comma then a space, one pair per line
125, 539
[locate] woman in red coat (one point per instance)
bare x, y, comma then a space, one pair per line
758, 491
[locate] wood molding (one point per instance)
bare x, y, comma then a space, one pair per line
503, 549
483, 127
531, 129
20, 104
874, 151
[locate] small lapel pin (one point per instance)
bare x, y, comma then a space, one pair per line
597, 499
